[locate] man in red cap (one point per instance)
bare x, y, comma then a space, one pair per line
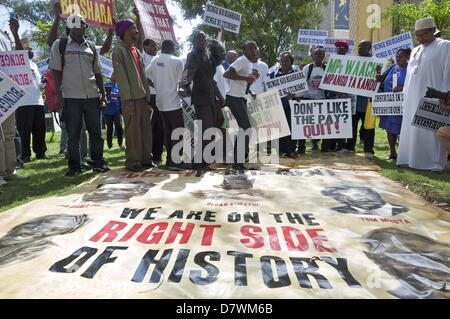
342, 47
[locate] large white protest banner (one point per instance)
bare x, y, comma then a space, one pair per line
220, 17
352, 74
429, 115
288, 84
267, 116
312, 37
107, 66
321, 119
387, 104
11, 96
42, 66
156, 20
388, 48
311, 233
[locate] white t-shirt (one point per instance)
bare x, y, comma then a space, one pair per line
147, 60
35, 93
313, 92
243, 67
222, 83
165, 71
259, 86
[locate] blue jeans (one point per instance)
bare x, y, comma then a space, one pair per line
74, 110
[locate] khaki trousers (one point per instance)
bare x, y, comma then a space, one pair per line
8, 160
138, 135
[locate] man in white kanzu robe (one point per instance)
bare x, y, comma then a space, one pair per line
429, 67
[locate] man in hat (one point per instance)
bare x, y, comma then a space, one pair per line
133, 91
75, 63
429, 67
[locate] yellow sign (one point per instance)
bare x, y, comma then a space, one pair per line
96, 12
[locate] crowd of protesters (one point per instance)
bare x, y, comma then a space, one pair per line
141, 104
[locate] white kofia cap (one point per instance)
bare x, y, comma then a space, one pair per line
427, 23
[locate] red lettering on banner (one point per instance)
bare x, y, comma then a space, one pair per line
255, 241
155, 236
131, 232
208, 234
273, 238
176, 230
318, 240
302, 243
111, 229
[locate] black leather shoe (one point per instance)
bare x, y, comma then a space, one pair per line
150, 165
101, 169
73, 173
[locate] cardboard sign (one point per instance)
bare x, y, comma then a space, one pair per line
156, 20
267, 116
352, 74
220, 17
288, 84
388, 48
297, 234
95, 12
16, 65
387, 104
107, 66
429, 116
11, 97
321, 119
312, 37
42, 66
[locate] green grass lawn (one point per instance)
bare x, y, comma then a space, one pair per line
47, 176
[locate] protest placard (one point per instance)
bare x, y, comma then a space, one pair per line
288, 84
156, 20
429, 115
352, 74
107, 66
16, 65
388, 48
11, 96
321, 119
95, 12
267, 116
312, 37
220, 17
42, 66
387, 104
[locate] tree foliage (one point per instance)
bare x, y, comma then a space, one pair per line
404, 15
272, 24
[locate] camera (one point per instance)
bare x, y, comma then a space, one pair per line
435, 94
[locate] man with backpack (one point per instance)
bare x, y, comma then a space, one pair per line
79, 91
314, 73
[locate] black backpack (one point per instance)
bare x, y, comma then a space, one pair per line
62, 50
311, 68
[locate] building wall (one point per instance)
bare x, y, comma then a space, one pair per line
358, 21
328, 20
328, 23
